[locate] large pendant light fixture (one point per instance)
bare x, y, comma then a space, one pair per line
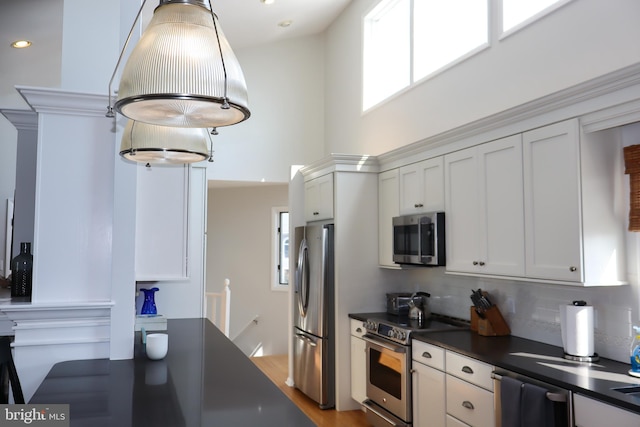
183, 72
145, 143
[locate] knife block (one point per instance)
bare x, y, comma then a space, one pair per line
493, 324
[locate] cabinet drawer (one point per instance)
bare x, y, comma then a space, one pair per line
468, 403
454, 422
427, 354
591, 413
356, 328
469, 369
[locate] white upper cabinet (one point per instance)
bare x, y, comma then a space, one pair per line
552, 202
573, 204
162, 222
422, 187
388, 207
484, 208
318, 198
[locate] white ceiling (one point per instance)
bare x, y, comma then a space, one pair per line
246, 23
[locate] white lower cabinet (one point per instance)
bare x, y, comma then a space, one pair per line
428, 382
594, 413
450, 389
358, 362
454, 422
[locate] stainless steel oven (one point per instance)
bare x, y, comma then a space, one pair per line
388, 346
388, 382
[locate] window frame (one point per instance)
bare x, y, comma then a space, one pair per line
530, 20
276, 239
495, 34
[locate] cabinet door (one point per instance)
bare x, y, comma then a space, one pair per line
358, 369
318, 201
462, 201
422, 187
388, 207
162, 222
485, 218
593, 413
552, 202
501, 212
429, 408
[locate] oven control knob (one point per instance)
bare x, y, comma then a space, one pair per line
391, 333
401, 335
370, 326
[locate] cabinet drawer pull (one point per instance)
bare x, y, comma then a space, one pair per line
481, 263
316, 213
418, 205
467, 370
572, 268
359, 330
475, 262
426, 355
467, 404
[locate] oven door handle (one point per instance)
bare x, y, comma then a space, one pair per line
388, 346
369, 407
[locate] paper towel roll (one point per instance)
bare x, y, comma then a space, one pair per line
576, 322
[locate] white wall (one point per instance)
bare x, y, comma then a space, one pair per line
8, 153
286, 127
580, 41
239, 248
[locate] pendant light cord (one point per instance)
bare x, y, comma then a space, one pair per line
225, 104
110, 112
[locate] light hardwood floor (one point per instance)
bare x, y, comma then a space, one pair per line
276, 368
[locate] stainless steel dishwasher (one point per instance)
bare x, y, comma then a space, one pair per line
561, 399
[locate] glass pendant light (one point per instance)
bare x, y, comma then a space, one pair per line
182, 72
145, 143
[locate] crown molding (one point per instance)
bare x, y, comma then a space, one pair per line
600, 103
57, 101
22, 119
341, 163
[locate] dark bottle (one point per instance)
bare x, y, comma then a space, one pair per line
21, 269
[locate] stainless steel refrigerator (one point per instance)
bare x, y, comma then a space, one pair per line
314, 336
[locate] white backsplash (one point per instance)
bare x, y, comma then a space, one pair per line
536, 306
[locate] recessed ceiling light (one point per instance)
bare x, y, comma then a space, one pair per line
20, 44
285, 24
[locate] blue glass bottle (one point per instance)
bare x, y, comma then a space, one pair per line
149, 305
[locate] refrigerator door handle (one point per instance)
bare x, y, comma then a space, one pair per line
306, 339
302, 282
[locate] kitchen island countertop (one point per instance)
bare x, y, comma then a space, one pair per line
204, 380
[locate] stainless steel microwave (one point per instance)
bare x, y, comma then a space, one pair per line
419, 239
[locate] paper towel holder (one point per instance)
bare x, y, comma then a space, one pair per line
588, 359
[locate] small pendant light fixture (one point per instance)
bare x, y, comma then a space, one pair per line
145, 143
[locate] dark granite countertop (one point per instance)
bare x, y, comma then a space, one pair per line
540, 361
204, 380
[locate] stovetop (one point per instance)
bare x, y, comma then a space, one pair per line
400, 328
